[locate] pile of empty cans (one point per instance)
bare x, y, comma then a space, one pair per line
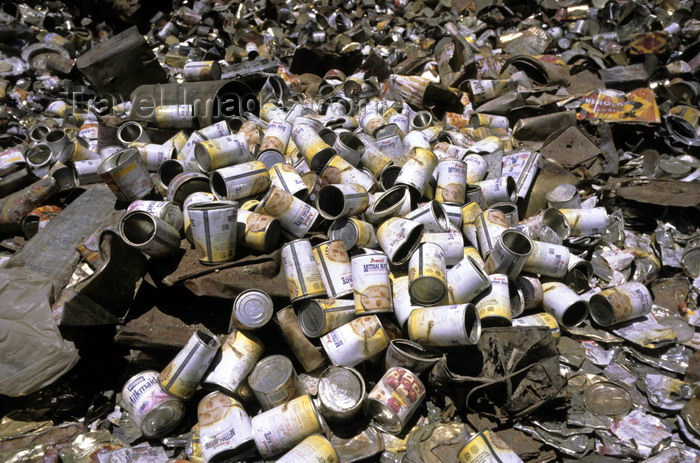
408, 231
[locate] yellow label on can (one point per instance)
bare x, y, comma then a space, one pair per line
255, 232
487, 447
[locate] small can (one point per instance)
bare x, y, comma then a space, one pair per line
451, 181
488, 120
427, 275
509, 254
316, 152
154, 412
313, 448
452, 242
131, 131
276, 136
560, 301
164, 210
304, 279
274, 381
336, 271
320, 316
149, 234
354, 233
394, 399
232, 364
295, 216
546, 259
355, 341
349, 147
286, 177
444, 326
221, 152
487, 446
213, 226
194, 198
470, 212
489, 226
399, 238
432, 215
174, 116
417, 171
335, 201
224, 427
126, 175
401, 299
466, 280
531, 289
586, 222
620, 304
564, 196
341, 391
183, 374
371, 283
540, 319
259, 232
411, 355
339, 171
501, 189
240, 181
252, 309
196, 71
494, 306
285, 426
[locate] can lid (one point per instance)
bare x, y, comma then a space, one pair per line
606, 398
163, 418
341, 389
252, 309
270, 373
312, 319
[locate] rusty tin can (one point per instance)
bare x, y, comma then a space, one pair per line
394, 399
224, 427
274, 381
341, 391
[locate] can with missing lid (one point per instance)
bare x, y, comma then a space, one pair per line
221, 152
335, 201
240, 181
411, 355
295, 216
259, 232
451, 181
341, 391
194, 198
304, 279
355, 341
313, 448
316, 152
354, 233
371, 283
274, 381
494, 306
164, 210
427, 274
232, 364
432, 215
417, 172
196, 71
466, 280
586, 222
334, 264
320, 316
155, 412
213, 226
452, 242
183, 374
470, 212
224, 428
126, 175
399, 238
252, 309
560, 301
284, 176
619, 304
509, 254
449, 325
284, 426
394, 399
488, 226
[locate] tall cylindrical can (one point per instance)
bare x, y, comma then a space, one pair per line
194, 198
564, 304
149, 234
551, 260
338, 171
218, 130
432, 215
183, 374
452, 242
586, 222
285, 426
154, 412
196, 71
277, 136
334, 263
498, 189
295, 216
401, 299
126, 175
448, 325
394, 399
213, 226
221, 152
509, 254
224, 427
174, 116
164, 210
621, 303
274, 381
313, 448
399, 238
259, 232
466, 280
470, 212
427, 274
396, 201
304, 279
308, 354
477, 167
417, 172
316, 152
489, 226
371, 283
349, 147
335, 201
240, 181
494, 306
451, 181
232, 364
353, 233
286, 177
341, 391
320, 316
355, 341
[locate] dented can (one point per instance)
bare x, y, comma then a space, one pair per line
348, 146
295, 216
276, 136
564, 196
286, 425
452, 242
320, 316
586, 222
224, 427
149, 234
354, 233
183, 374
194, 198
238, 355
620, 304
531, 289
315, 151
509, 254
221, 152
540, 319
154, 412
501, 189
394, 399
274, 381
259, 232
470, 212
399, 238
164, 210
240, 181
432, 215
444, 326
465, 281
313, 448
489, 225
427, 274
304, 279
494, 306
371, 283
335, 201
401, 299
487, 446
284, 176
417, 172
411, 355
252, 309
341, 391
126, 175
213, 226
154, 155
560, 301
356, 341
